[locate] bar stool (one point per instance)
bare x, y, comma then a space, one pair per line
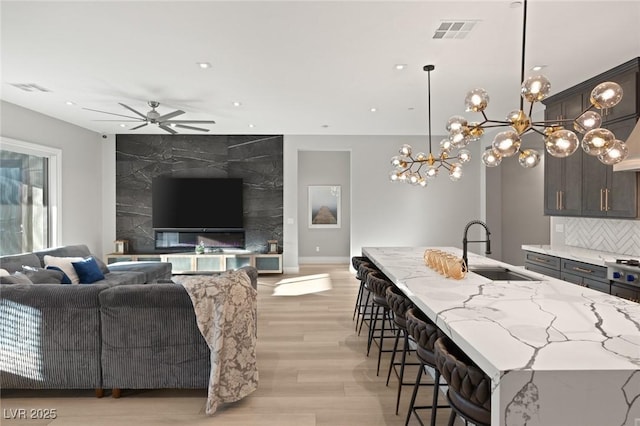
378, 284
399, 304
356, 261
365, 307
469, 388
425, 333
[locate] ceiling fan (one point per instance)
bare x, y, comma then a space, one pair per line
165, 121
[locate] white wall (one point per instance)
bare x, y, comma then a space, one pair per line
385, 213
81, 208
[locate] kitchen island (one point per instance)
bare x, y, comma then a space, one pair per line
558, 354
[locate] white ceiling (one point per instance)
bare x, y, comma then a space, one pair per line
298, 67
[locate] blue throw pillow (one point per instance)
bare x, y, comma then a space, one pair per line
65, 277
88, 271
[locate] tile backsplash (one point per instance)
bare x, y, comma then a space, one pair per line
616, 236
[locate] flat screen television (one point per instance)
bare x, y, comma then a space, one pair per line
190, 203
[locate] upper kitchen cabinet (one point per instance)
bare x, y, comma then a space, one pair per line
606, 193
563, 176
580, 185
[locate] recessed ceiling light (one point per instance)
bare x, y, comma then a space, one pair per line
237, 104
172, 124
251, 126
515, 4
373, 109
411, 108
123, 125
538, 67
204, 65
400, 67
70, 103
325, 126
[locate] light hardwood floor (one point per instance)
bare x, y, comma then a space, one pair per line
312, 364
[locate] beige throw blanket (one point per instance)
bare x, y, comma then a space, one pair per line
226, 310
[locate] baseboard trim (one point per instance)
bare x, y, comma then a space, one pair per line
325, 259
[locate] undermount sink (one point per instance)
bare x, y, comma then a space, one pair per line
500, 274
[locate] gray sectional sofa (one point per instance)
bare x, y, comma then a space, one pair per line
135, 329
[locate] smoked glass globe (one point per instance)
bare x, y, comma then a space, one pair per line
529, 158
464, 156
606, 95
506, 143
421, 156
456, 123
455, 173
615, 154
432, 172
405, 150
535, 88
561, 143
597, 141
445, 145
588, 121
490, 158
394, 176
476, 100
398, 162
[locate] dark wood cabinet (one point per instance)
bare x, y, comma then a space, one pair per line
580, 185
563, 176
606, 193
572, 271
626, 292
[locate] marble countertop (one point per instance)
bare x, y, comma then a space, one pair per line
546, 325
579, 254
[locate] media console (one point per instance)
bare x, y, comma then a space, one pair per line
192, 263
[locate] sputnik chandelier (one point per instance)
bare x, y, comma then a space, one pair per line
559, 141
416, 169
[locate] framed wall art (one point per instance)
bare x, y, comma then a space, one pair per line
324, 206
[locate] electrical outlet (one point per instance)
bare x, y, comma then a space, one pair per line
317, 248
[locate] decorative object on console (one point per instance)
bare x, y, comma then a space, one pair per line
153, 117
559, 141
273, 246
122, 246
407, 167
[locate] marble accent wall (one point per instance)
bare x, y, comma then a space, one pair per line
612, 235
254, 158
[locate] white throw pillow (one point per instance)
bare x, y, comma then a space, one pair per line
4, 273
64, 263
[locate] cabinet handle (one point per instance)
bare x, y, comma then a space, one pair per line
606, 200
557, 200
601, 199
561, 200
540, 259
577, 268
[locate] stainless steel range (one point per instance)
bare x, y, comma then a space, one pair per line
624, 271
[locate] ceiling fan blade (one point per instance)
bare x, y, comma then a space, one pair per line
169, 116
182, 126
192, 121
112, 113
167, 129
123, 121
137, 127
133, 110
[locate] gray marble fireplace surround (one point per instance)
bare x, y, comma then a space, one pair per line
254, 158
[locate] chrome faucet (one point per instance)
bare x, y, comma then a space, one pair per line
465, 241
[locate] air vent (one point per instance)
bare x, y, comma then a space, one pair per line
454, 29
30, 87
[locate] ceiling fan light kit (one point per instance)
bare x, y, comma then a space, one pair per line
164, 121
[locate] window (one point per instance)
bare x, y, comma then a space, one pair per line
29, 194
